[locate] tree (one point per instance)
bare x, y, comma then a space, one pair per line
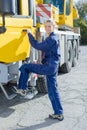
83, 27
82, 23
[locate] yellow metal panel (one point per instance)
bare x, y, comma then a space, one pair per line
39, 1
40, 25
17, 22
14, 43
69, 20
64, 19
55, 13
14, 46
24, 7
61, 19
75, 13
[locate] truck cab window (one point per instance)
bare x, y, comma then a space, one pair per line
48, 1
58, 3
67, 7
17, 7
22, 7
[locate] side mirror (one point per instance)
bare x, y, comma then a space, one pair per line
7, 7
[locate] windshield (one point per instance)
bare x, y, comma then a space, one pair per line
58, 3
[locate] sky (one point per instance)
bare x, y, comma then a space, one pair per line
76, 1
80, 0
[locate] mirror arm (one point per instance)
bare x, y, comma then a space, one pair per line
3, 28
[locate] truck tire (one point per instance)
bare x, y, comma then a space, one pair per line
66, 67
41, 85
75, 54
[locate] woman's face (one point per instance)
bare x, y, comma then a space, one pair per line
49, 27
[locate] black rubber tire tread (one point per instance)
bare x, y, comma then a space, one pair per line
66, 67
75, 54
41, 85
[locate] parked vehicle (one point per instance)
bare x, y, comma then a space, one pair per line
18, 16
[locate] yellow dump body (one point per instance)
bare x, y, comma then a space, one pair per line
14, 43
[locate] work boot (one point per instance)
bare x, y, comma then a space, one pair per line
56, 116
21, 92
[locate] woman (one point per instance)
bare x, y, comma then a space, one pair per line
49, 67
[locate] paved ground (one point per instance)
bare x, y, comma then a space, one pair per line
19, 114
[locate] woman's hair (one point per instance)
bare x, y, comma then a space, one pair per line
51, 21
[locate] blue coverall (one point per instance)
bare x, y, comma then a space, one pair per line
49, 67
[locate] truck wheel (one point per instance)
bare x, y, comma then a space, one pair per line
41, 85
66, 67
75, 54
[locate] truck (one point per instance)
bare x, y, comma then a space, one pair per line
18, 16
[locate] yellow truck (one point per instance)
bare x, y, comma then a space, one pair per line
18, 16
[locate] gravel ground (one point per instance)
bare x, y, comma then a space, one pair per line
21, 114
